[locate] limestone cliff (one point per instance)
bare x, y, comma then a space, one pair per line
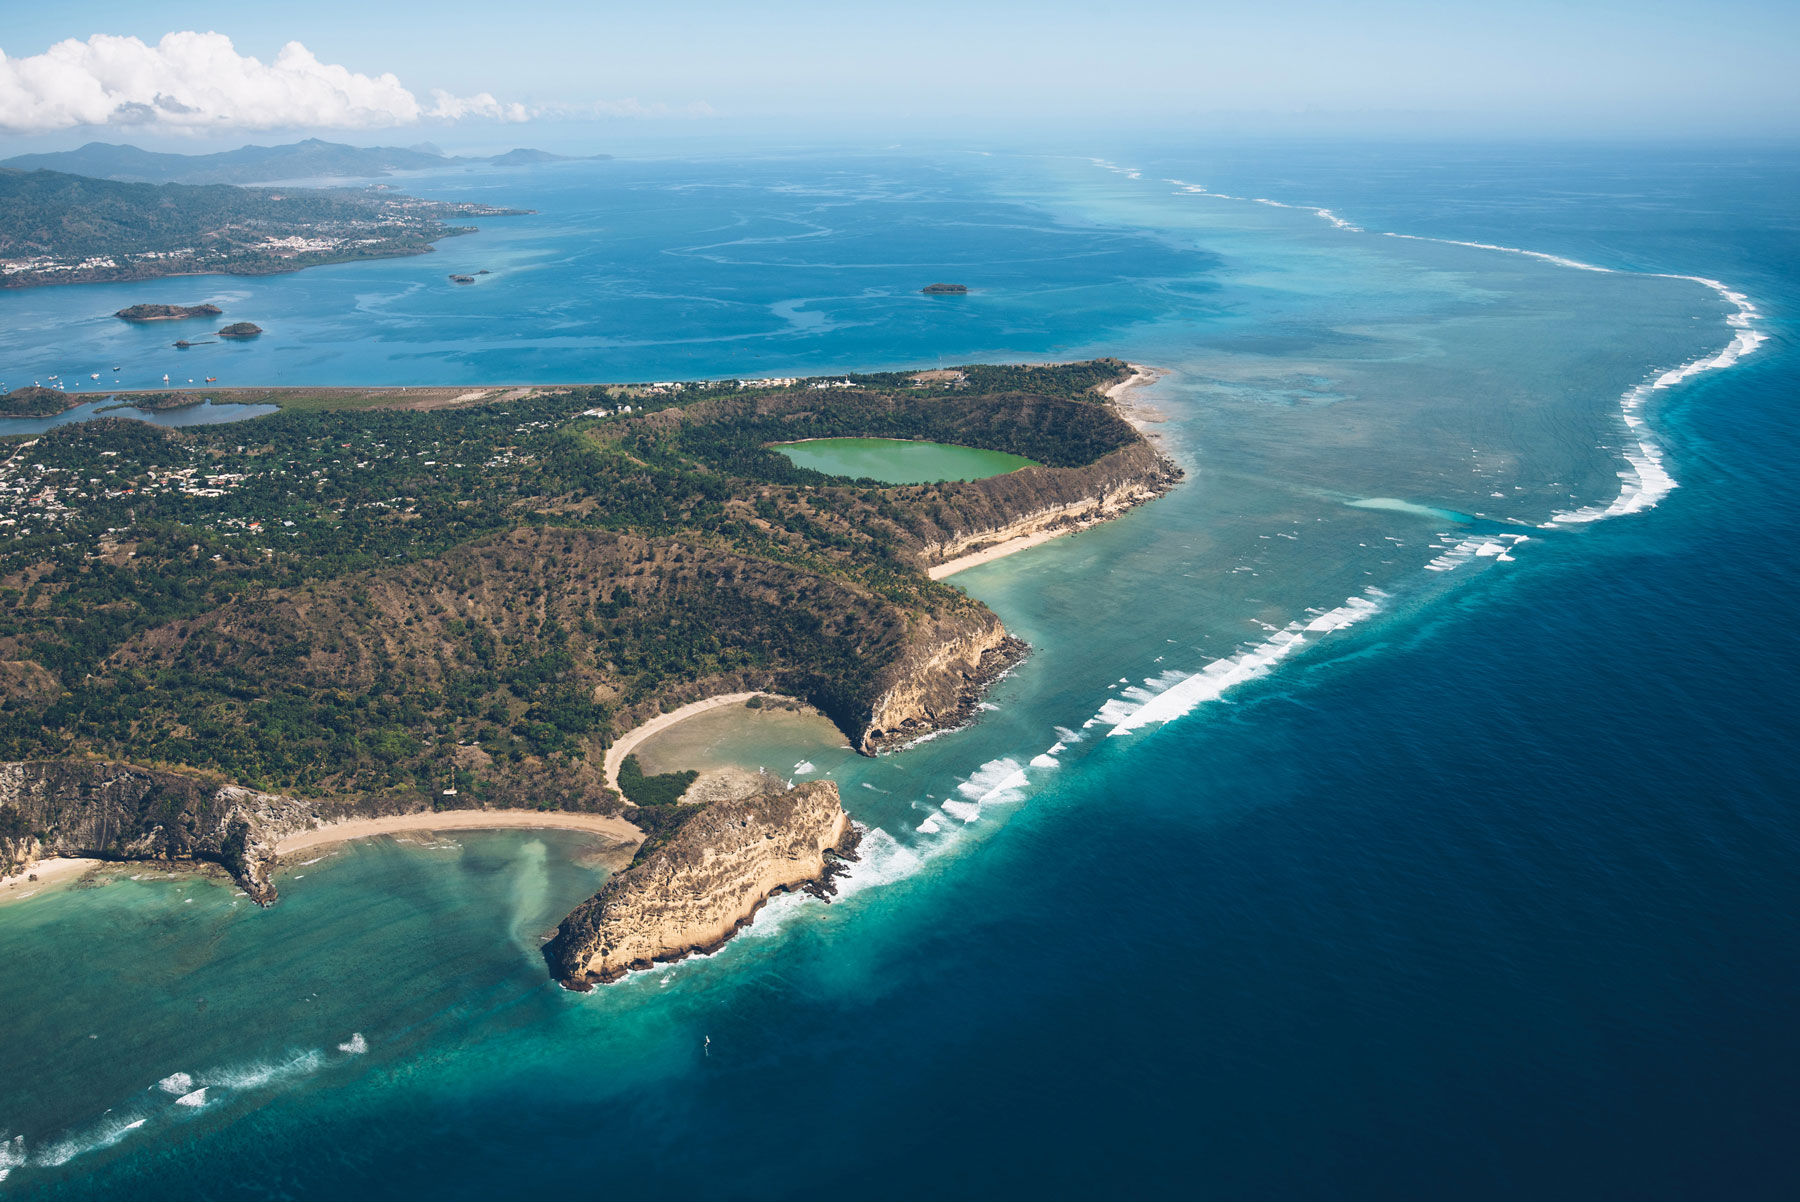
984, 512
703, 884
938, 679
118, 811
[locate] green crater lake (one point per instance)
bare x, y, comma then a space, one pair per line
900, 461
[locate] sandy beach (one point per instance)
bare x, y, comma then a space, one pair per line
54, 871
1120, 394
997, 551
615, 755
1125, 394
460, 820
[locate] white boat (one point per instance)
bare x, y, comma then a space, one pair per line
93, 375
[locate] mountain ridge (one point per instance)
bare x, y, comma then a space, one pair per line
312, 158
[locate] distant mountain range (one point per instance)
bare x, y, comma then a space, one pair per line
311, 159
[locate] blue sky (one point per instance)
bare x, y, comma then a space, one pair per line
1643, 69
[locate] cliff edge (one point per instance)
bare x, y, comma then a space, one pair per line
122, 812
703, 884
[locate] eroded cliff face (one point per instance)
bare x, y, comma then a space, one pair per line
119, 811
702, 885
1040, 499
948, 663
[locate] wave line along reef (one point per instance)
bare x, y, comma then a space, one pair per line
218, 636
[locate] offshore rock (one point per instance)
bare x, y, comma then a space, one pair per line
703, 884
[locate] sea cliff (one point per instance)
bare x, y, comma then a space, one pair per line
1039, 500
938, 678
119, 811
702, 884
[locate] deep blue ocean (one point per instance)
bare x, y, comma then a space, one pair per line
1489, 892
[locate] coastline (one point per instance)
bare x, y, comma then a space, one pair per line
997, 551
458, 820
1121, 396
50, 872
615, 755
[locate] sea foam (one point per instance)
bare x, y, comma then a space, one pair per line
1176, 694
1645, 479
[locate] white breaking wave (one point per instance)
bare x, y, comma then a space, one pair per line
356, 1045
12, 1155
257, 1075
104, 1134
804, 767
995, 781
1645, 480
1175, 694
1500, 546
190, 1092
882, 859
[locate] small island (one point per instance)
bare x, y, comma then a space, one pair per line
36, 402
241, 329
462, 279
944, 289
166, 312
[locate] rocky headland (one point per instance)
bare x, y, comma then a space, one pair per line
703, 883
500, 617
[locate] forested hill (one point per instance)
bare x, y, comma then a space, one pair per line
57, 228
311, 159
369, 602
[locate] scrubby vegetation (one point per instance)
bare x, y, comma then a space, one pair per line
378, 601
661, 790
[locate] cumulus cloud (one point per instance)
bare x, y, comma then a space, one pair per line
199, 81
482, 104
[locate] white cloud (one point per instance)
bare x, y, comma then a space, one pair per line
482, 104
199, 81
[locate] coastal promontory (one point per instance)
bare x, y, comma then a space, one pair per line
703, 883
396, 602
